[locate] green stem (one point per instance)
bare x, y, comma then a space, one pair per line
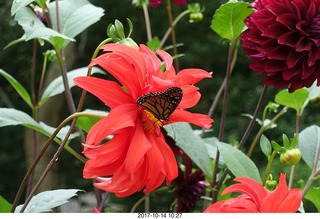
52, 137
33, 72
173, 35
298, 116
174, 23
263, 128
145, 197
73, 118
44, 67
266, 173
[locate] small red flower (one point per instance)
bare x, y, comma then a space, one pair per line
283, 39
156, 3
137, 156
256, 198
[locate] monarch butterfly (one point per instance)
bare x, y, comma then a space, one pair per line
161, 104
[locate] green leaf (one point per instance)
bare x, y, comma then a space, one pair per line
238, 163
18, 4
277, 147
286, 141
34, 28
75, 16
56, 86
12, 117
86, 122
265, 146
191, 144
309, 143
62, 133
46, 201
5, 206
313, 195
17, 86
14, 42
154, 43
295, 100
228, 20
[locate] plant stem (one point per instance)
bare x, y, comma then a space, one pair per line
44, 67
44, 148
173, 35
262, 129
49, 141
232, 56
33, 72
147, 21
253, 120
176, 20
266, 173
298, 116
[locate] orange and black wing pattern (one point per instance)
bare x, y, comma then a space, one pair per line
161, 104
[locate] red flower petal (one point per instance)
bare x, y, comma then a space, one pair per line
191, 76
108, 92
200, 120
169, 168
280, 200
233, 205
137, 150
119, 118
249, 187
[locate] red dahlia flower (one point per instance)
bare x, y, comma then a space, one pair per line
137, 156
258, 199
156, 3
283, 39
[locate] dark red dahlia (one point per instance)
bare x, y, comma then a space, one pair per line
283, 39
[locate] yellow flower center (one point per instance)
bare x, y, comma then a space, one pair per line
152, 122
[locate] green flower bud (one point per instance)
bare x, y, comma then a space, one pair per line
195, 17
129, 42
290, 157
271, 185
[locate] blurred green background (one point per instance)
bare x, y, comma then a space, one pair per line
202, 48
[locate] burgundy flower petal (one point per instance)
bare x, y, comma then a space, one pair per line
282, 38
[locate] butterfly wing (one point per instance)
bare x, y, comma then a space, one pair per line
161, 104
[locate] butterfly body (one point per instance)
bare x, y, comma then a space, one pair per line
161, 104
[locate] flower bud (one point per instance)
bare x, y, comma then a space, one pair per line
290, 157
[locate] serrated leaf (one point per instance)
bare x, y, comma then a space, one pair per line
228, 20
56, 86
309, 143
17, 86
265, 146
191, 144
295, 100
238, 163
5, 206
34, 28
46, 201
74, 16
